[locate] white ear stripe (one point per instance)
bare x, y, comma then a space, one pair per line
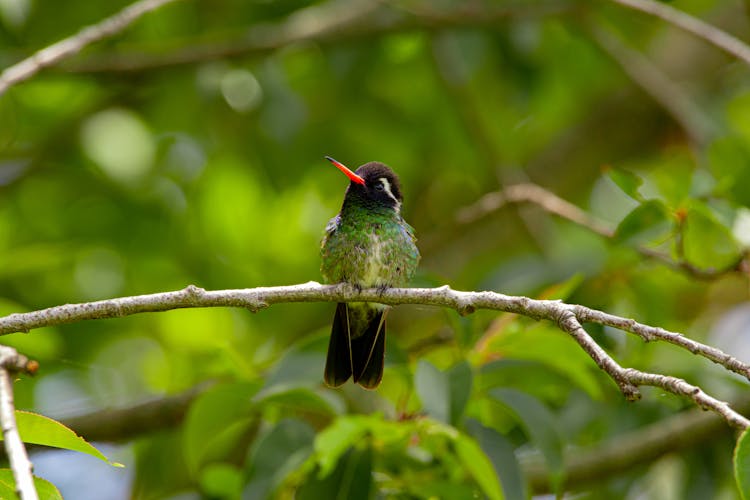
387, 188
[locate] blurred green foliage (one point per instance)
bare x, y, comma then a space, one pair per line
127, 182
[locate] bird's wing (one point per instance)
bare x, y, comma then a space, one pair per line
332, 225
405, 227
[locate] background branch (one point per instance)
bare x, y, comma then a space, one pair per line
67, 47
329, 22
708, 32
532, 193
568, 317
12, 362
347, 20
121, 424
655, 82
638, 448
551, 203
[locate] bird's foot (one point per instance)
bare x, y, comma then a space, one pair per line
351, 287
382, 289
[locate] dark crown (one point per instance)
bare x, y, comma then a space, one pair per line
381, 187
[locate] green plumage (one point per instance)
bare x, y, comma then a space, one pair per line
369, 249
368, 244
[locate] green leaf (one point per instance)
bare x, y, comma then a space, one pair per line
708, 244
301, 366
8, 486
459, 382
38, 429
332, 442
221, 481
563, 290
649, 222
674, 179
462, 327
538, 423
304, 399
738, 115
352, 478
388, 432
501, 453
276, 454
742, 464
215, 420
432, 387
434, 489
548, 346
444, 394
161, 468
729, 159
44, 489
627, 181
480, 467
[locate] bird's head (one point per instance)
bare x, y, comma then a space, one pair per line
372, 183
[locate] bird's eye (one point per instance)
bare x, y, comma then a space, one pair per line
379, 186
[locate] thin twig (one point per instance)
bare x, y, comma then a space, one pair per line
649, 77
67, 47
11, 362
550, 202
568, 317
628, 379
702, 29
649, 333
532, 193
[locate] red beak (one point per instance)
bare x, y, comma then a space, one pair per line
354, 177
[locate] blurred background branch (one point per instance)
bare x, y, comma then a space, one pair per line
328, 23
553, 204
129, 422
636, 449
671, 96
687, 430
697, 27
70, 46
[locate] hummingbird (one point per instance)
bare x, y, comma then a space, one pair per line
368, 244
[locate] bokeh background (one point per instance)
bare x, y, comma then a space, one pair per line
189, 150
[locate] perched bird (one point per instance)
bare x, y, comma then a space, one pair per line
368, 244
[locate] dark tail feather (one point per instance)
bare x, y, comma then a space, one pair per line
339, 360
368, 353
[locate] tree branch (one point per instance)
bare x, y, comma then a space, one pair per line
689, 429
120, 424
568, 317
649, 77
683, 431
708, 32
550, 202
12, 362
328, 22
340, 21
532, 193
67, 47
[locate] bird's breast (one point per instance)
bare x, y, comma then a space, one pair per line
376, 265
369, 253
